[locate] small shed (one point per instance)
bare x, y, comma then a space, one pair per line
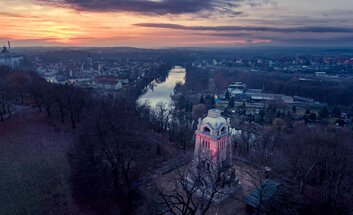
264, 192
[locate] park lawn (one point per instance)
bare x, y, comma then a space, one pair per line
34, 170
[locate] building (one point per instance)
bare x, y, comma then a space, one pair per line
213, 156
237, 88
261, 195
303, 99
320, 74
7, 58
178, 69
108, 83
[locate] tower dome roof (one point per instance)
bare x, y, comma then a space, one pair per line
4, 50
214, 119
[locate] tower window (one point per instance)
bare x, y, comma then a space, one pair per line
205, 143
223, 130
206, 129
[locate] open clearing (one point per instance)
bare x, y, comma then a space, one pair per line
33, 165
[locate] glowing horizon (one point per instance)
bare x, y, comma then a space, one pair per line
121, 23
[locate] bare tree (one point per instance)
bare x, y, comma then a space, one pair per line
304, 152
119, 144
74, 102
5, 98
122, 140
5, 105
19, 82
59, 97
266, 148
180, 129
258, 179
37, 92
191, 192
335, 169
247, 140
161, 116
199, 110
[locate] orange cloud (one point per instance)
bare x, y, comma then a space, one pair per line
29, 23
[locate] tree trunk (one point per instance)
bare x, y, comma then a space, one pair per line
301, 186
116, 180
78, 117
337, 189
62, 114
47, 108
8, 110
72, 120
39, 107
126, 176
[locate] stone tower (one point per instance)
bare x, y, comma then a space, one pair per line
213, 156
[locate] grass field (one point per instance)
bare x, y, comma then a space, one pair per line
33, 165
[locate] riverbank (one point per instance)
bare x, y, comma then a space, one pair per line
160, 92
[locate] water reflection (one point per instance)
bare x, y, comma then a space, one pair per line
157, 92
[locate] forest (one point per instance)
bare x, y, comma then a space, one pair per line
332, 92
117, 141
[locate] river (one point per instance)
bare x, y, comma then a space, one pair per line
161, 92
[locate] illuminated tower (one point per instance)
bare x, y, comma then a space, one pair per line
212, 155
212, 146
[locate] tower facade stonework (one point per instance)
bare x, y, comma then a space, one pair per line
213, 156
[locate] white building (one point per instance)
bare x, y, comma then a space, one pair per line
213, 156
178, 69
10, 59
108, 83
237, 88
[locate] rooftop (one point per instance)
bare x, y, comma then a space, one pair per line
214, 120
5, 50
265, 191
214, 113
106, 79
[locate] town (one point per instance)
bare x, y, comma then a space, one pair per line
177, 135
176, 107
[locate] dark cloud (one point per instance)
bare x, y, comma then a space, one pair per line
237, 35
160, 7
142, 6
338, 12
16, 15
313, 40
312, 29
11, 15
255, 3
307, 39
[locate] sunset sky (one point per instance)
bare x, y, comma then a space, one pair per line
176, 23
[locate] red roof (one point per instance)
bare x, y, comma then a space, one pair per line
106, 80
